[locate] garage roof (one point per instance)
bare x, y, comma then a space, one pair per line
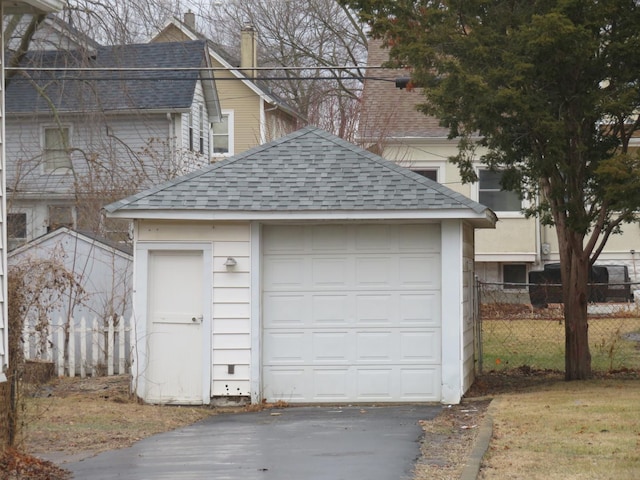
309, 173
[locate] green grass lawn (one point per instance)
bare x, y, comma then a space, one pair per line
539, 343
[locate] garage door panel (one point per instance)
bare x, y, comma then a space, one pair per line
377, 346
421, 238
287, 239
419, 271
284, 272
419, 309
344, 384
289, 384
373, 237
357, 319
420, 347
378, 271
331, 385
417, 384
286, 347
329, 238
375, 309
285, 311
330, 310
329, 271
375, 384
331, 347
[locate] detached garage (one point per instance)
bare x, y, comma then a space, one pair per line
306, 270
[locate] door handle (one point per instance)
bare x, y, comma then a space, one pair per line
197, 319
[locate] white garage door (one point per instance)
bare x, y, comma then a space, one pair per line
351, 313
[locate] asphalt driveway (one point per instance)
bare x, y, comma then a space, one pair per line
301, 443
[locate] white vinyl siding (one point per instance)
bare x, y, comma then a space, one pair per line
231, 329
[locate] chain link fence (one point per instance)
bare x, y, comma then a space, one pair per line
517, 329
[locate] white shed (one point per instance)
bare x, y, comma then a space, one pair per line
305, 270
103, 269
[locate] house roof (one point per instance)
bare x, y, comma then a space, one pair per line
112, 89
87, 237
221, 54
307, 174
33, 6
390, 112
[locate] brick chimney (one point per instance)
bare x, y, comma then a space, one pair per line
190, 20
248, 50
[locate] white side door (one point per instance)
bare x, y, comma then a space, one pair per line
176, 309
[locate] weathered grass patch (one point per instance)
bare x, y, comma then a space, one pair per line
577, 430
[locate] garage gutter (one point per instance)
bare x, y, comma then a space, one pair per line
485, 219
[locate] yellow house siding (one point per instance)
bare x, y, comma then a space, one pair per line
171, 34
245, 103
512, 236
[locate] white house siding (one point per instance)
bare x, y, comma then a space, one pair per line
98, 140
231, 326
468, 306
119, 143
191, 160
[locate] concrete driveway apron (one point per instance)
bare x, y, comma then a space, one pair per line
298, 443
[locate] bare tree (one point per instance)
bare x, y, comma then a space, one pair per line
314, 36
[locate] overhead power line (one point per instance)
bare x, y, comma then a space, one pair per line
192, 69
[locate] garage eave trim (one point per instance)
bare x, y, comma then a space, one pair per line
479, 220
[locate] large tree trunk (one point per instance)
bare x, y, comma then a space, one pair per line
575, 283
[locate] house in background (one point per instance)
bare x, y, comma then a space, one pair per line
303, 270
251, 113
391, 126
108, 121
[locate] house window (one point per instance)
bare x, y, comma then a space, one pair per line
17, 225
514, 276
60, 216
430, 173
201, 125
490, 193
191, 131
56, 149
222, 135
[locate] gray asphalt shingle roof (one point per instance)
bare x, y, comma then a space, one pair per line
308, 170
81, 91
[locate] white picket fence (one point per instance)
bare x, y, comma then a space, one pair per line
96, 347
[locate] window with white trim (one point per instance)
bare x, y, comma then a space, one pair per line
491, 194
222, 135
57, 158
